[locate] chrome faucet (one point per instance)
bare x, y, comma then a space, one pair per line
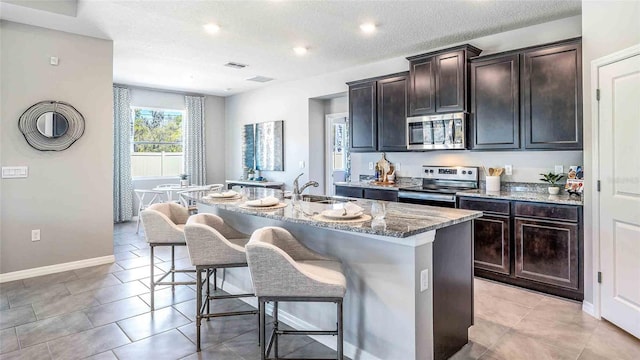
297, 191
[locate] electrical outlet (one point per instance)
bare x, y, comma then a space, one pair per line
370, 165
398, 165
559, 169
35, 235
301, 164
53, 60
508, 170
424, 280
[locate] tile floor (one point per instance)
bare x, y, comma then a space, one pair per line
102, 312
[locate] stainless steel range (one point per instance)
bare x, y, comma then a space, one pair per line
439, 185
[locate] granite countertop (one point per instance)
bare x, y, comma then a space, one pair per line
533, 196
369, 185
401, 220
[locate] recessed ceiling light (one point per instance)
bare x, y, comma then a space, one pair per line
368, 27
212, 28
300, 50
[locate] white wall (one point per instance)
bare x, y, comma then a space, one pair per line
607, 27
68, 194
290, 102
214, 132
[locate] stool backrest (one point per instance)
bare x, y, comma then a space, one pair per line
211, 241
163, 222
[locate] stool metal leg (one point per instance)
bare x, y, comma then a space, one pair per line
198, 306
152, 281
275, 327
173, 267
208, 291
262, 328
215, 279
340, 331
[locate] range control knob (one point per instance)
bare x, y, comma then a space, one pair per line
464, 172
470, 172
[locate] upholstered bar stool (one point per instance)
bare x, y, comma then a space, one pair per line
283, 269
164, 226
212, 245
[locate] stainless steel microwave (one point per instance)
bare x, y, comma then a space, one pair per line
436, 132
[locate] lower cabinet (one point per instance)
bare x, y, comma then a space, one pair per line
366, 193
349, 191
491, 243
533, 245
547, 252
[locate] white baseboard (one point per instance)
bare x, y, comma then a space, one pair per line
51, 269
329, 341
588, 308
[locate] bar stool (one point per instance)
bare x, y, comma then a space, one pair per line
212, 245
283, 269
164, 226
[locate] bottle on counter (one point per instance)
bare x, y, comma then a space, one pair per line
377, 175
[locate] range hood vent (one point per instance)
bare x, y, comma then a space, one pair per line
260, 79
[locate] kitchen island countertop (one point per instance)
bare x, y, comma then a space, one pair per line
401, 220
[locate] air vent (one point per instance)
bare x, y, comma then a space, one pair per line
261, 79
235, 65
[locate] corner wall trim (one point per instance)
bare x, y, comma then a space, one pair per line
589, 309
51, 269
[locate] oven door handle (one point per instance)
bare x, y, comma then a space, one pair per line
426, 196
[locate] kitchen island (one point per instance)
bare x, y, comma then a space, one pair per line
409, 275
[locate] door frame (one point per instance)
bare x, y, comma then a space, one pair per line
595, 164
328, 175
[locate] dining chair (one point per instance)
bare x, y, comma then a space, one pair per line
146, 198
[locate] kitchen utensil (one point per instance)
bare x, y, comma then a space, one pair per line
492, 171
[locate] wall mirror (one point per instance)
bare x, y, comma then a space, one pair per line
51, 125
263, 146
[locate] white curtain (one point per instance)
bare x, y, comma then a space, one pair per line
194, 149
122, 184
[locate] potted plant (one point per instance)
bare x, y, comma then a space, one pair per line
184, 180
552, 179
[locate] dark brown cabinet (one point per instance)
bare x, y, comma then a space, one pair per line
349, 191
547, 252
378, 113
363, 129
392, 113
528, 99
533, 245
438, 81
491, 234
495, 103
552, 96
376, 194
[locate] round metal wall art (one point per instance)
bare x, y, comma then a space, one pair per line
51, 125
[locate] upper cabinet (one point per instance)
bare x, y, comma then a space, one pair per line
528, 99
438, 81
378, 113
495, 103
363, 133
552, 96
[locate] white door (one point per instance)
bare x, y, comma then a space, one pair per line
619, 129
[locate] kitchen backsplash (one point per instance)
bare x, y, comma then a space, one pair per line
527, 165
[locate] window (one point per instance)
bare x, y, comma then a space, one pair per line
157, 142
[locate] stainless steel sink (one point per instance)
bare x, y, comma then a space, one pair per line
322, 199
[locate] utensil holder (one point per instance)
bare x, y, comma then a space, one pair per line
493, 183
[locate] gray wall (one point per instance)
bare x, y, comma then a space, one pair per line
68, 194
295, 103
607, 27
214, 133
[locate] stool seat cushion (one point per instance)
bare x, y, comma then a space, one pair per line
164, 223
281, 266
211, 242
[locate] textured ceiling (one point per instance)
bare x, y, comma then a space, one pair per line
163, 44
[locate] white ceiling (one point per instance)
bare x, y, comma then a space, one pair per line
162, 44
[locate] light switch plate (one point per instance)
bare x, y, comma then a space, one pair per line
370, 165
301, 164
559, 169
15, 172
53, 60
